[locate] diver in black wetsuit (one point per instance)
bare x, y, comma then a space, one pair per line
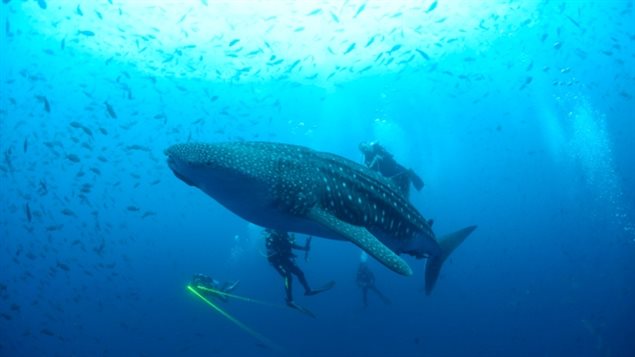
366, 281
212, 286
280, 247
377, 158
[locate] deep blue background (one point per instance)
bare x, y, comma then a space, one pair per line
522, 125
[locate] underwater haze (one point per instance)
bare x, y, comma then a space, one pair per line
519, 117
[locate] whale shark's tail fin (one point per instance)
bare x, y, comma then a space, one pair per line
447, 244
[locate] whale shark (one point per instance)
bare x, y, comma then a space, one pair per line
296, 189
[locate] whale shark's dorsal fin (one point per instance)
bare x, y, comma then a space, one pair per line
361, 237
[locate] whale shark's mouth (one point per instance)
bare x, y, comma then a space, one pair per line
184, 179
172, 163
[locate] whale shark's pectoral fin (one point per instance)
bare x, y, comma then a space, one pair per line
363, 239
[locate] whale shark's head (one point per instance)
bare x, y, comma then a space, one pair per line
193, 163
219, 165
237, 175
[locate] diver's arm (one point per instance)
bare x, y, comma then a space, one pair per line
298, 247
306, 247
291, 242
374, 164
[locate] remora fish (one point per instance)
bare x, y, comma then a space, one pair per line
296, 189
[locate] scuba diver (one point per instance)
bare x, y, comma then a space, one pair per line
377, 158
280, 247
366, 281
213, 287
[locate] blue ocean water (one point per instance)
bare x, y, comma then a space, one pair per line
518, 115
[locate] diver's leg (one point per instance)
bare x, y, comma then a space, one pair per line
404, 185
365, 296
288, 287
294, 269
287, 279
402, 180
279, 268
381, 296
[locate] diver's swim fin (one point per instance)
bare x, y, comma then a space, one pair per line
326, 287
417, 182
302, 309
